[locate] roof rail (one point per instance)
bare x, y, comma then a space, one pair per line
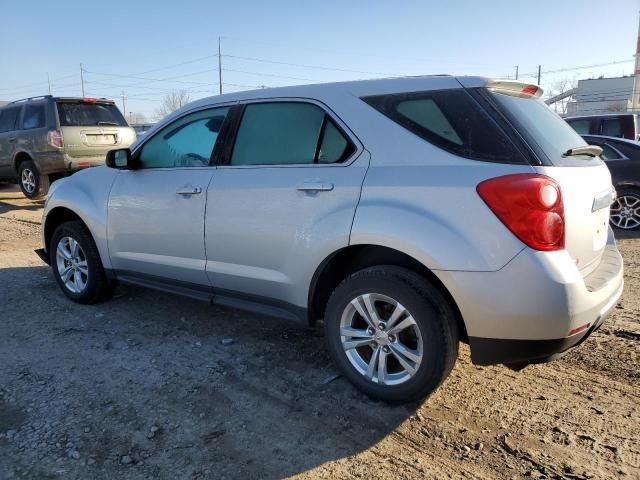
29, 99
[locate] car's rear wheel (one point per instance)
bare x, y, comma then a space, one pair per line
391, 333
625, 211
33, 184
76, 264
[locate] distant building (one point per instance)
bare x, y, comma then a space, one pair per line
602, 95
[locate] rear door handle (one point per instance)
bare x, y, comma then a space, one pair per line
189, 191
12, 139
315, 187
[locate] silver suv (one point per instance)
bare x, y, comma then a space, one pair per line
45, 138
406, 214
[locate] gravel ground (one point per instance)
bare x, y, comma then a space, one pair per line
160, 387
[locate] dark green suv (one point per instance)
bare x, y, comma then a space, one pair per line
44, 138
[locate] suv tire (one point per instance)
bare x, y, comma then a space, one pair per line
427, 343
76, 264
33, 184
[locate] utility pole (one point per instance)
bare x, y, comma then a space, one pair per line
124, 106
539, 72
516, 72
219, 68
49, 82
82, 79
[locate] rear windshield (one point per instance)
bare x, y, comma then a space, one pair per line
452, 120
543, 129
89, 114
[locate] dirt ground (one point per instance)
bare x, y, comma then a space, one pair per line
143, 387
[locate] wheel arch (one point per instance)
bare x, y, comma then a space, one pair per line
56, 217
341, 263
19, 158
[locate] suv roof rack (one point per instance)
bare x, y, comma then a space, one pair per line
28, 99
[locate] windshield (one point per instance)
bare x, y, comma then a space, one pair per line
89, 114
544, 128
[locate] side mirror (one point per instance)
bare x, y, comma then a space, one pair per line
120, 158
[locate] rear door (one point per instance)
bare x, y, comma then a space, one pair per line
156, 212
585, 181
283, 199
8, 137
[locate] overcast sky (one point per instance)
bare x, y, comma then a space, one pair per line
141, 46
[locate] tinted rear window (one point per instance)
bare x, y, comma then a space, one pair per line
544, 130
89, 114
452, 120
33, 117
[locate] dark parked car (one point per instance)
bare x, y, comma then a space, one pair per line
623, 159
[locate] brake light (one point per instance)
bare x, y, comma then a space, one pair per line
529, 205
89, 100
529, 90
54, 138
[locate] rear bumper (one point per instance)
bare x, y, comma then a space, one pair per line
536, 307
60, 162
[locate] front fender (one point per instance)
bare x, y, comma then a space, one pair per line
86, 194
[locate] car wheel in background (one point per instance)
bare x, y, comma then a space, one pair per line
391, 333
625, 211
32, 183
76, 264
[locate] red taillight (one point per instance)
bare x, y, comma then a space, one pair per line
54, 138
530, 206
89, 100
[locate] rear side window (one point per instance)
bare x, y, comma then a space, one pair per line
452, 120
609, 153
82, 114
612, 127
8, 117
33, 117
288, 133
580, 126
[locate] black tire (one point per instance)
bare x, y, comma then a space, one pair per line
617, 221
98, 287
37, 185
434, 318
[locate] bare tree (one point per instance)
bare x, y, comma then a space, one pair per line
136, 118
559, 87
616, 107
172, 102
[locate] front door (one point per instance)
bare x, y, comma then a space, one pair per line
8, 138
156, 212
284, 200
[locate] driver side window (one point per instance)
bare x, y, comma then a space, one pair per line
186, 142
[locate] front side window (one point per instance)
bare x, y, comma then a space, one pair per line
608, 153
8, 118
288, 133
580, 126
186, 142
33, 117
449, 119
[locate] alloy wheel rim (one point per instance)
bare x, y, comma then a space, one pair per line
72, 265
381, 339
625, 212
28, 180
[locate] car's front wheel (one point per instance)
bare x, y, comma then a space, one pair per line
391, 333
76, 264
33, 184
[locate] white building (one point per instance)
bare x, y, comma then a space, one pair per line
602, 95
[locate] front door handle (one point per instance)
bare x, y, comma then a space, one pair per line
189, 191
315, 187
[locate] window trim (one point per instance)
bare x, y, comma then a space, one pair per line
356, 146
157, 128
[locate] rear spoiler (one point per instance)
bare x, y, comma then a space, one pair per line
517, 89
84, 100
